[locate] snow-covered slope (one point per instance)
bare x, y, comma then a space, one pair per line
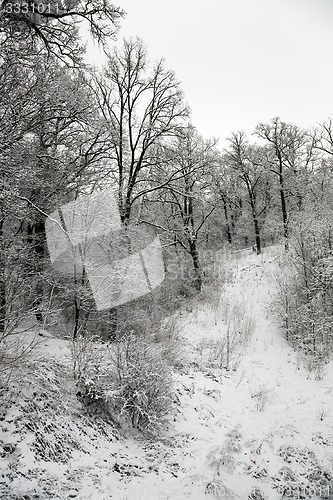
261, 429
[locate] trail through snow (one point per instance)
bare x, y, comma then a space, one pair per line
228, 439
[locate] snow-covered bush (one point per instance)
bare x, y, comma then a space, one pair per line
304, 476
145, 382
15, 350
128, 378
305, 287
260, 396
217, 489
256, 494
222, 457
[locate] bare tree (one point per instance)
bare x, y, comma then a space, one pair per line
52, 26
322, 140
142, 106
187, 200
248, 163
290, 155
51, 145
227, 190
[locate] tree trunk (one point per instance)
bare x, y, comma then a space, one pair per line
257, 233
2, 281
113, 324
76, 324
36, 236
81, 308
256, 226
284, 213
226, 216
196, 265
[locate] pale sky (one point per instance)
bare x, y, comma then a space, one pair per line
241, 62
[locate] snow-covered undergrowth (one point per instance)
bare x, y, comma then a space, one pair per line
248, 420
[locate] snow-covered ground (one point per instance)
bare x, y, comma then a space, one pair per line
263, 428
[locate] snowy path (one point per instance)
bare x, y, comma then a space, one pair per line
295, 409
273, 362
299, 408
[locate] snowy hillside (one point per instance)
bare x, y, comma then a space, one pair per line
250, 420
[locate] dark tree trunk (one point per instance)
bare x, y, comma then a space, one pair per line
196, 265
283, 203
36, 236
255, 224
228, 231
76, 324
233, 224
2, 281
284, 214
257, 233
227, 224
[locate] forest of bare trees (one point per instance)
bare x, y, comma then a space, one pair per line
68, 129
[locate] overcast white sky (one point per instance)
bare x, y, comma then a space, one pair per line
241, 62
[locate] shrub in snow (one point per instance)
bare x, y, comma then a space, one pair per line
218, 490
256, 471
290, 453
287, 474
305, 286
233, 441
221, 457
15, 350
128, 378
145, 382
304, 475
256, 494
260, 396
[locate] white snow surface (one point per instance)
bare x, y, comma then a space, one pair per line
223, 438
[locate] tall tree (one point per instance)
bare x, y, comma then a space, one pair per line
247, 161
142, 106
227, 190
17, 118
187, 199
289, 156
51, 145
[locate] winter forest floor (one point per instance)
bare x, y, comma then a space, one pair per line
263, 428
